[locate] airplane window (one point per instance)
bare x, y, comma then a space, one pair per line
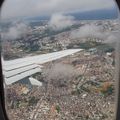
59, 58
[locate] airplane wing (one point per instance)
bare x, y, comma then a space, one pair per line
15, 70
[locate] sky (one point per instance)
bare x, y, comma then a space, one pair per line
29, 8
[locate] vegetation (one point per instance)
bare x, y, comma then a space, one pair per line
32, 101
58, 108
89, 44
105, 48
93, 44
106, 88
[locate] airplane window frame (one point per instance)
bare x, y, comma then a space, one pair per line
3, 114
118, 77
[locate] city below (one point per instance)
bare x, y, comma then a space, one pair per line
79, 86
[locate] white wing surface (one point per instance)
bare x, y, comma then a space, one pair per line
15, 70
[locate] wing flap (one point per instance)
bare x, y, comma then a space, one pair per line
14, 72
21, 76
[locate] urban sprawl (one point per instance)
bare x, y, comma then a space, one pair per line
80, 86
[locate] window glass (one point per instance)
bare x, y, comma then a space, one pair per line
58, 59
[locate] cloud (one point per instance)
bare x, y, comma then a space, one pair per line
88, 31
59, 73
60, 21
93, 31
16, 8
112, 37
15, 31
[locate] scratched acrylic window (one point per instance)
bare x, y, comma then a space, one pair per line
58, 59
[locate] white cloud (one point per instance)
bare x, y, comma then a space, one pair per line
93, 31
60, 21
88, 31
65, 72
13, 8
113, 37
15, 31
